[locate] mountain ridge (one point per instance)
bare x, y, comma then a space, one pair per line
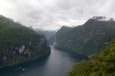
91, 37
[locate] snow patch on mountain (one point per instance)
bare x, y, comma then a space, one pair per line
102, 18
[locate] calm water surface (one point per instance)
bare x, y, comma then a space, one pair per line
56, 64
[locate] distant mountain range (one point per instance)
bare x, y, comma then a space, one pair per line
47, 33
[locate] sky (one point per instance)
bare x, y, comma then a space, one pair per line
52, 14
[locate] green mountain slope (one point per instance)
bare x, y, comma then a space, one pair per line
89, 38
102, 64
19, 44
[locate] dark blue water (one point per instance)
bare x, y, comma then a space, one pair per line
56, 64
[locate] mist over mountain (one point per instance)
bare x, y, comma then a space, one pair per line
47, 33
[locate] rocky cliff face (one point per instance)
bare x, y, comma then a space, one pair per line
89, 38
20, 53
19, 44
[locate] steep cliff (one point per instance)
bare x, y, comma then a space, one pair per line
89, 38
18, 44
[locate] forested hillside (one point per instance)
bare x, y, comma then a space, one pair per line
19, 44
89, 38
102, 64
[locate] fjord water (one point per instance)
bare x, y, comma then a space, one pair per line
55, 64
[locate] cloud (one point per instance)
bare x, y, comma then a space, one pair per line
52, 14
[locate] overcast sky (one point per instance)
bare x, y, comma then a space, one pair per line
52, 14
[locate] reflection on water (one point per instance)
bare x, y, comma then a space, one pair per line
56, 64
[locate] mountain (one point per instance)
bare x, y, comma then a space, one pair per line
47, 33
51, 40
19, 44
91, 37
102, 64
